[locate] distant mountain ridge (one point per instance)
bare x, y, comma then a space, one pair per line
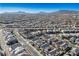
66, 12
56, 12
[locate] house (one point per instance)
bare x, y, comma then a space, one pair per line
75, 51
15, 45
11, 41
77, 41
17, 50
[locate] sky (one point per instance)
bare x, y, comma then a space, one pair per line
37, 7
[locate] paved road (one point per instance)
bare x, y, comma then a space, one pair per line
27, 45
